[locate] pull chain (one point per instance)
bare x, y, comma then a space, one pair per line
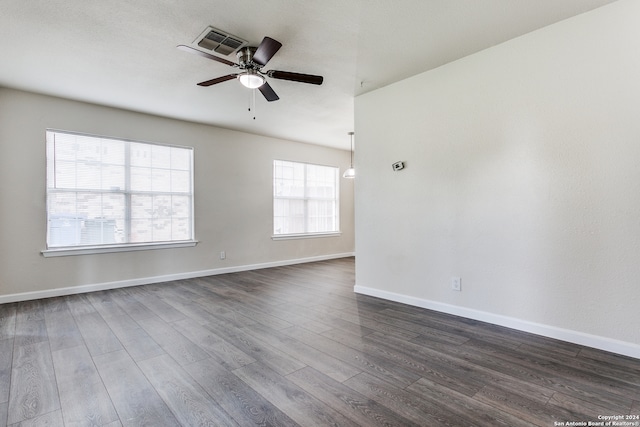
252, 103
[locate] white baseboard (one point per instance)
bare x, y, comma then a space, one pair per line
581, 338
25, 296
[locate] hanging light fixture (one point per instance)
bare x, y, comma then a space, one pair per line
351, 172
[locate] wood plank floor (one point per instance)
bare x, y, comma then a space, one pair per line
289, 346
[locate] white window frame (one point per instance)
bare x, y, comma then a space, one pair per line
80, 249
306, 198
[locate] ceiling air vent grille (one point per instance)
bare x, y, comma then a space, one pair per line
220, 42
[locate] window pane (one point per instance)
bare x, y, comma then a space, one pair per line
160, 156
113, 177
180, 159
66, 147
161, 229
64, 230
162, 206
140, 154
63, 203
289, 179
88, 176
140, 179
103, 191
305, 198
99, 231
181, 206
141, 230
290, 215
180, 181
180, 228
82, 218
321, 216
161, 180
113, 152
141, 206
63, 174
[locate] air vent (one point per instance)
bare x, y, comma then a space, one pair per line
219, 41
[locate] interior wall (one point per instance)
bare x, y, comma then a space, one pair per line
233, 198
522, 177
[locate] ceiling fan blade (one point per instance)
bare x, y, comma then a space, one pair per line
268, 47
268, 92
206, 55
296, 77
218, 80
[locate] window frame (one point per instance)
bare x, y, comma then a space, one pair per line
306, 198
127, 192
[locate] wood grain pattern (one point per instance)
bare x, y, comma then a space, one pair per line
445, 369
51, 419
246, 405
410, 405
83, 397
6, 359
328, 364
97, 335
482, 413
189, 402
289, 346
182, 349
135, 399
7, 321
269, 355
4, 408
130, 305
360, 360
33, 389
30, 325
62, 330
303, 408
220, 350
353, 405
160, 308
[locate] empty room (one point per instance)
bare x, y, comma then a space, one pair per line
297, 213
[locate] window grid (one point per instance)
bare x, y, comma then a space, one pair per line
305, 198
93, 190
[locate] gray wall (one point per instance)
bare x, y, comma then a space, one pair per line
233, 200
522, 178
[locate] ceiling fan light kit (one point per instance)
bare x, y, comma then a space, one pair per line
250, 62
251, 80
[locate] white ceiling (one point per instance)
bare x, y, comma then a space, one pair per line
122, 53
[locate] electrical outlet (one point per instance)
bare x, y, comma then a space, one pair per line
223, 255
456, 284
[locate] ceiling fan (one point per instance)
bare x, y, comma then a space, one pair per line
250, 63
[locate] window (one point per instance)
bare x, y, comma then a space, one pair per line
305, 199
104, 192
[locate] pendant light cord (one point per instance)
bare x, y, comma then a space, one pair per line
351, 134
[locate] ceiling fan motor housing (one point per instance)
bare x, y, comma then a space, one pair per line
245, 59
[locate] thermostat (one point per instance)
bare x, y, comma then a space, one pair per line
397, 166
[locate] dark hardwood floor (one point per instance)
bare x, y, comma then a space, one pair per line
289, 346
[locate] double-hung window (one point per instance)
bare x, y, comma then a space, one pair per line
106, 192
305, 199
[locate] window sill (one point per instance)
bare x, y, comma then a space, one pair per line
89, 250
305, 235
